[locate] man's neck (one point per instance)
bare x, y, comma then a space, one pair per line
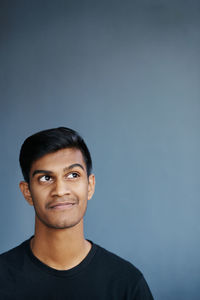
61, 249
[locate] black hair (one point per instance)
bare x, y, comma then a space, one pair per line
49, 141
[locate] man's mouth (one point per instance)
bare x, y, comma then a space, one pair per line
62, 205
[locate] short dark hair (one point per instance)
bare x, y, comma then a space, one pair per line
49, 141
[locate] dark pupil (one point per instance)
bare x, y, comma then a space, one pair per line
47, 177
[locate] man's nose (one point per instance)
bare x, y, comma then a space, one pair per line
61, 187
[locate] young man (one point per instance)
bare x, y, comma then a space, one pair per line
58, 262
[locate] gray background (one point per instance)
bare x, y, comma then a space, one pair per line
125, 74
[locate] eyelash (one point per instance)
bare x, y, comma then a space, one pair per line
77, 174
44, 176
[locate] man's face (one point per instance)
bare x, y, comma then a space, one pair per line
59, 188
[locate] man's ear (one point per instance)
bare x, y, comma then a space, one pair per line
91, 186
24, 187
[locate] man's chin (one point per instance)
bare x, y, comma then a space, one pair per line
58, 224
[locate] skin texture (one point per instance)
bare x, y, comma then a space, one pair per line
59, 190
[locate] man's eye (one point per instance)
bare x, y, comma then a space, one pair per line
45, 178
72, 175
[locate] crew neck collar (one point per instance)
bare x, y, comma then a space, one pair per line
61, 273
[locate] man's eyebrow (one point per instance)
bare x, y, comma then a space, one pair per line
73, 166
41, 172
64, 170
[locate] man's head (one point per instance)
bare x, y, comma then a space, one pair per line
49, 141
56, 165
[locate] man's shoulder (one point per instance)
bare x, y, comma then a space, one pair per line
13, 256
122, 275
111, 261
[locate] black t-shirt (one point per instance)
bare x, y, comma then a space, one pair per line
102, 275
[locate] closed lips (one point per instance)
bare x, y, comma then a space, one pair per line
61, 204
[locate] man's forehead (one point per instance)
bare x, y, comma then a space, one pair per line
61, 158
